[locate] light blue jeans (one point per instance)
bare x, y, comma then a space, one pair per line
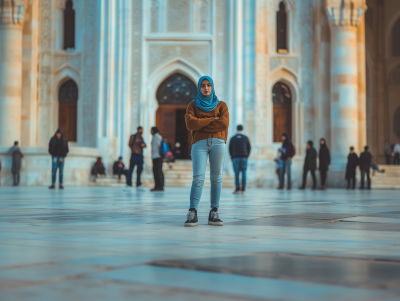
201, 150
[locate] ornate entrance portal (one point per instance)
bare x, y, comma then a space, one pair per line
173, 96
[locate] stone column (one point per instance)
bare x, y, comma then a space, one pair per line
344, 16
11, 22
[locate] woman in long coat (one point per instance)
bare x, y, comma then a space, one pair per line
352, 163
324, 161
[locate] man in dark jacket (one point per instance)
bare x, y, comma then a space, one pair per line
239, 149
136, 144
365, 165
119, 168
16, 154
58, 149
310, 164
287, 153
352, 163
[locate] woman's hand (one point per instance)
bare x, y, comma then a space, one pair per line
216, 118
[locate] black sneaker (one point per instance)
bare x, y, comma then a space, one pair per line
237, 191
243, 191
213, 218
52, 187
191, 218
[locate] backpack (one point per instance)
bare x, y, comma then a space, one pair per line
163, 148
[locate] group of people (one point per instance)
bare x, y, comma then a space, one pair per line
284, 163
207, 118
392, 152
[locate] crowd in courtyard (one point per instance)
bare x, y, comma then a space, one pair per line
207, 119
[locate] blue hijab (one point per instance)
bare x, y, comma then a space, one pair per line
206, 103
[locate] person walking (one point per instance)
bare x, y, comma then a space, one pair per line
136, 144
119, 168
239, 149
207, 118
388, 153
287, 153
324, 162
396, 154
365, 166
58, 149
310, 164
156, 144
17, 156
352, 163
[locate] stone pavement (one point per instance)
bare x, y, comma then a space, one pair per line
100, 243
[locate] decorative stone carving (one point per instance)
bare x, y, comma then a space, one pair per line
178, 16
12, 11
89, 75
394, 77
45, 53
220, 57
204, 16
154, 16
345, 12
197, 54
136, 62
291, 63
62, 59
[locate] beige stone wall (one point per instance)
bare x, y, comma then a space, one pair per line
30, 67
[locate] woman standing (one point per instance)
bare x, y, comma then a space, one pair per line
324, 161
208, 120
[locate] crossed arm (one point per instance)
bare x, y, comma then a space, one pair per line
220, 123
209, 124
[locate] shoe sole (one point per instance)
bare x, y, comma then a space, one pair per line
191, 225
215, 223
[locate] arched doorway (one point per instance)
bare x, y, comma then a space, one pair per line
173, 96
68, 109
282, 100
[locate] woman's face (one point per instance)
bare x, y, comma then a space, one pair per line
205, 87
322, 142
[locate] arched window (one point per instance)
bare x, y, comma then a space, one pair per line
281, 30
69, 26
68, 109
282, 100
177, 89
396, 39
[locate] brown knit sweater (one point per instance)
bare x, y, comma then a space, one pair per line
203, 125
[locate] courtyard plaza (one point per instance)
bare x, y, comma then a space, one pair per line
100, 243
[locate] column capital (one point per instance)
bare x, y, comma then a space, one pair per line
345, 13
12, 11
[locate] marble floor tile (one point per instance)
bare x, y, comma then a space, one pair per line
100, 243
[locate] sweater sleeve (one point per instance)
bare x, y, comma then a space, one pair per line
220, 124
193, 123
248, 147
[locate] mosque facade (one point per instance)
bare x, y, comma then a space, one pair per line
97, 69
